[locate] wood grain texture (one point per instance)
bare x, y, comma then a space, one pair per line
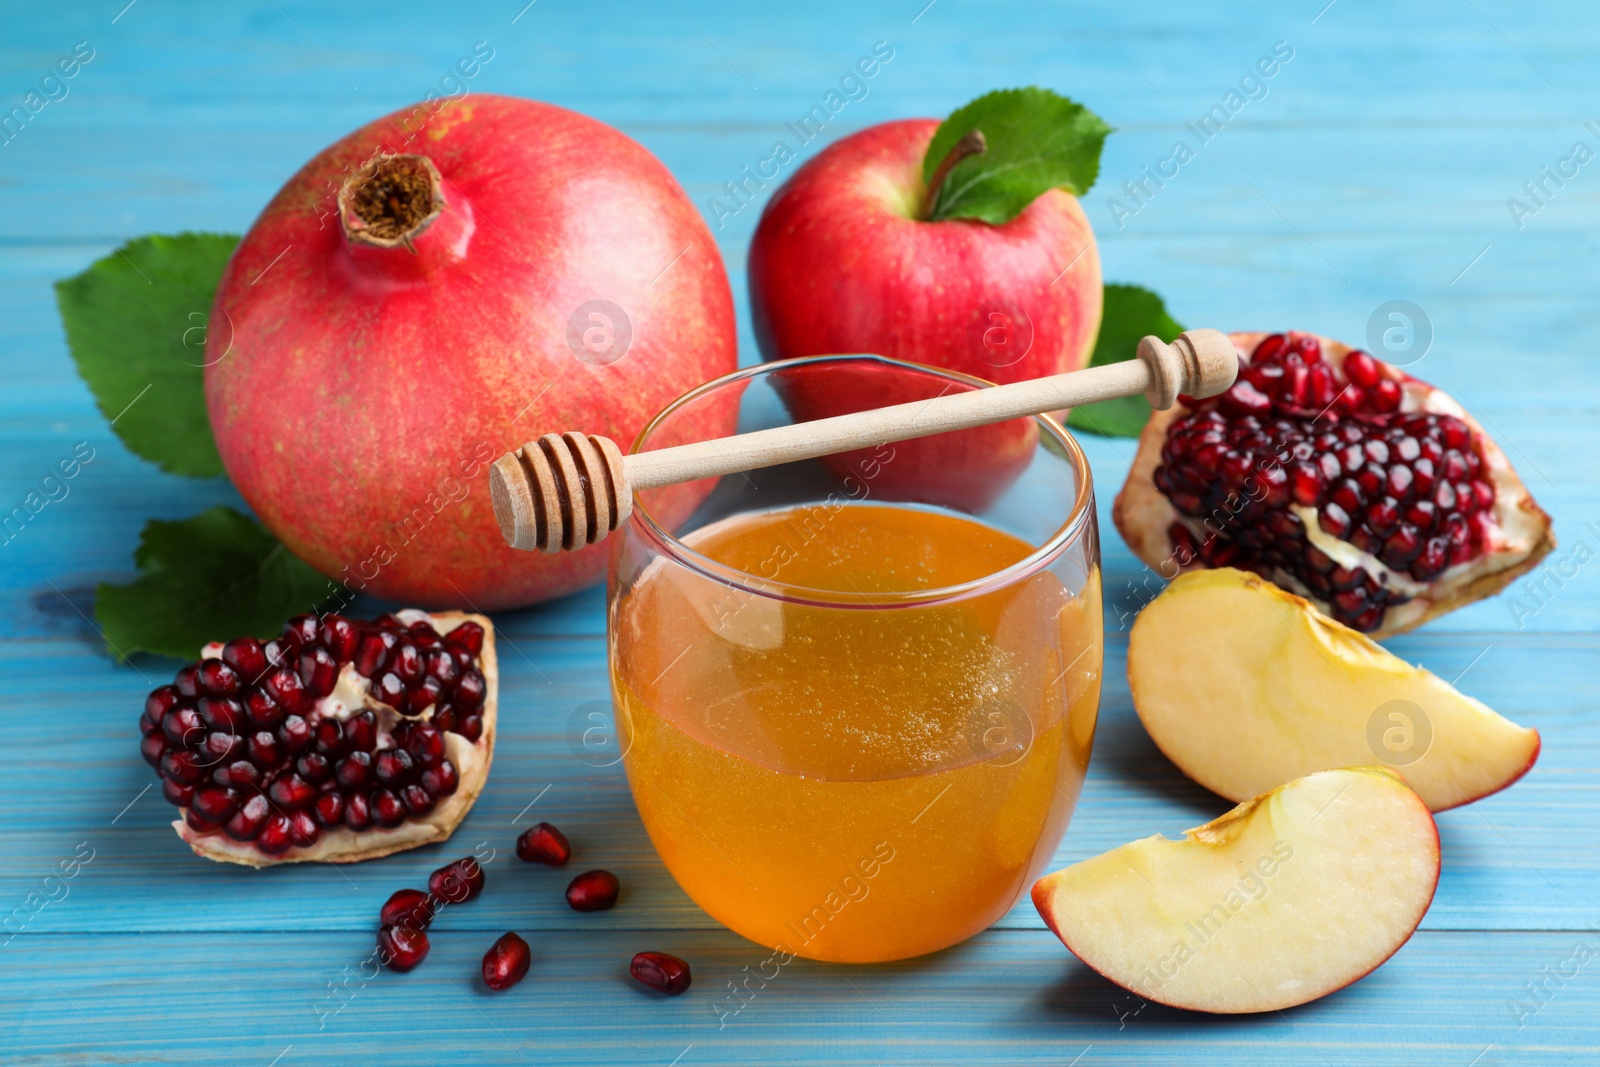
1377, 165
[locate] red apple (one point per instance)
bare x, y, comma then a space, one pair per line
842, 262
432, 291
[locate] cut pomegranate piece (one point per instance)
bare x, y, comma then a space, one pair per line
662, 971
506, 962
544, 844
1369, 492
593, 891
290, 750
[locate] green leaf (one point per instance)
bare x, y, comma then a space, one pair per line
1131, 313
1037, 140
213, 577
136, 324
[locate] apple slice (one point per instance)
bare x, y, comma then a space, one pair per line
1244, 686
1286, 898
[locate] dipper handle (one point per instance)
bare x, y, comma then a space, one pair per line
564, 491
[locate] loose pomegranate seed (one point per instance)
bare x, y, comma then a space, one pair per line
458, 882
506, 963
411, 908
401, 949
661, 971
593, 891
545, 844
1240, 463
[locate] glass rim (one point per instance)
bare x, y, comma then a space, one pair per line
671, 547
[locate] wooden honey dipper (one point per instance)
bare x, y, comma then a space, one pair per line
564, 491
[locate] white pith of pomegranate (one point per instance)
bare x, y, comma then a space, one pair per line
1336, 476
338, 741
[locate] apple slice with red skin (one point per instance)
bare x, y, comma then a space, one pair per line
1282, 690
1286, 898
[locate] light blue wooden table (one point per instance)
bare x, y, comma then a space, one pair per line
1377, 167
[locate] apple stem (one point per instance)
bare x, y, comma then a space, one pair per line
972, 143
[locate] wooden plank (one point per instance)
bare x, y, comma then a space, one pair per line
1004, 997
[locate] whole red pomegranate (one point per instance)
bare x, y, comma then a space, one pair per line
417, 301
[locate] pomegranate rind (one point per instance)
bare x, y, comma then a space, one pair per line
1524, 537
472, 761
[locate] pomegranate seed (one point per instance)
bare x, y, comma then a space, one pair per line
1306, 346
593, 891
357, 812
361, 732
1361, 369
1383, 517
285, 687
217, 679
339, 636
418, 801
180, 765
371, 653
426, 745
469, 635
661, 971
214, 803
263, 712
506, 963
246, 656
423, 696
188, 681
329, 738
239, 774
201, 825
264, 749
302, 629
389, 689
393, 766
458, 882
410, 908
355, 770
444, 718
1270, 348
389, 621
304, 829
153, 747
176, 793
1432, 560
406, 663
472, 728
318, 670
440, 780
388, 810
291, 791
470, 691
221, 713
1333, 520
314, 767
276, 836
247, 822
1306, 484
183, 726
295, 734
544, 844
400, 949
